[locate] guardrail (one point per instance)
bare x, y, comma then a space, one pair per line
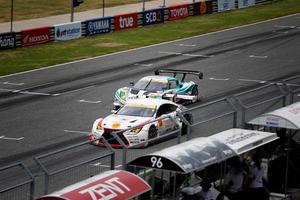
73, 30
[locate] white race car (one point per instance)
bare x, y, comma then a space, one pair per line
139, 121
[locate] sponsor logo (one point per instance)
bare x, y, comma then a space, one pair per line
125, 21
153, 17
7, 41
35, 38
203, 7
178, 13
67, 32
98, 26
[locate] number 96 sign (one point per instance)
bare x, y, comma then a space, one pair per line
156, 162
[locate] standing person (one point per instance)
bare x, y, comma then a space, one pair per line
206, 193
255, 176
234, 180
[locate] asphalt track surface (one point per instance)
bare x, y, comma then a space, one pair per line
54, 107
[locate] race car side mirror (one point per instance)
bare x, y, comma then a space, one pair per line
131, 83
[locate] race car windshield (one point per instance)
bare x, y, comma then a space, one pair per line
150, 85
137, 111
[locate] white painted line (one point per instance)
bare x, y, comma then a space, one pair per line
86, 101
251, 80
4, 89
170, 53
197, 55
186, 45
153, 45
34, 93
80, 132
254, 56
107, 166
71, 91
10, 83
143, 65
280, 26
11, 138
219, 79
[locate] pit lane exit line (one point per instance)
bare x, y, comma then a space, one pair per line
10, 138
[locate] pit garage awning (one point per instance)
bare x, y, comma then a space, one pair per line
287, 117
198, 153
113, 185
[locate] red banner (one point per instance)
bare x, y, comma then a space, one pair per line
35, 36
126, 21
113, 185
178, 12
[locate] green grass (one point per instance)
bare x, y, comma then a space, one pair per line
29, 9
27, 58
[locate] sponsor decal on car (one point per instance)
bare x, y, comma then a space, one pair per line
35, 36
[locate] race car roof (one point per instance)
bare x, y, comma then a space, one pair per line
158, 78
114, 185
198, 153
286, 117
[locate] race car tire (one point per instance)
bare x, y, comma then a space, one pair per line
152, 133
184, 128
195, 92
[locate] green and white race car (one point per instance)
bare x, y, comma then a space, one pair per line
161, 87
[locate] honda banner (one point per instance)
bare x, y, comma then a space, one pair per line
224, 5
7, 40
178, 12
126, 21
113, 185
67, 31
246, 3
35, 36
153, 17
98, 26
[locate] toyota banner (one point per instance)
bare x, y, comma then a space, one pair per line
7, 41
67, 31
178, 12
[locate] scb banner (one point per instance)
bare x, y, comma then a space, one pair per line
153, 17
98, 26
7, 41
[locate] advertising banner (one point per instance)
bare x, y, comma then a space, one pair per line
7, 40
35, 36
203, 7
67, 31
246, 3
126, 21
153, 17
224, 5
178, 12
98, 26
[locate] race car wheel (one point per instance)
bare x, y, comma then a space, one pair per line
195, 92
184, 128
152, 133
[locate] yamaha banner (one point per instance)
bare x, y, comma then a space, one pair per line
98, 26
153, 17
7, 41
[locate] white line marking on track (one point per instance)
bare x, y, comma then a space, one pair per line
185, 54
186, 45
108, 166
80, 132
153, 45
34, 93
86, 101
143, 65
219, 79
10, 83
11, 138
251, 80
262, 57
281, 26
71, 91
170, 53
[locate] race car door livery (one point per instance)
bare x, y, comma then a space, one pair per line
67, 31
126, 21
178, 12
35, 36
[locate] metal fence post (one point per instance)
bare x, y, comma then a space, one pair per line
124, 152
234, 123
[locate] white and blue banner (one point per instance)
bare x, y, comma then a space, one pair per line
224, 5
246, 3
67, 31
98, 26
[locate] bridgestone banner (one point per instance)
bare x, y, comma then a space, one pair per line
98, 26
178, 12
224, 5
246, 3
35, 36
7, 41
67, 31
126, 21
153, 17
203, 7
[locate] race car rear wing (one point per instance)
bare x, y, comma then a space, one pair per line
183, 72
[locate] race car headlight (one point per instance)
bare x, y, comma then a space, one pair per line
136, 130
99, 125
